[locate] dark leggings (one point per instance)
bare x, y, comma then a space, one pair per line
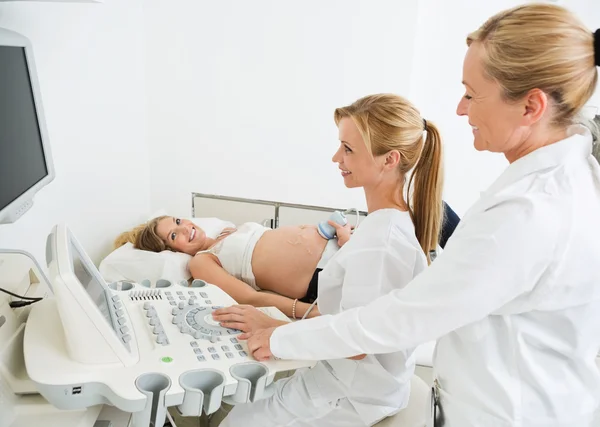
313, 288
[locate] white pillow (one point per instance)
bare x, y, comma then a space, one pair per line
129, 263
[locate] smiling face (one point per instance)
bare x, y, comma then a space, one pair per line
359, 168
497, 124
181, 235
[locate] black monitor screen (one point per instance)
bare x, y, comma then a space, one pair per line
22, 162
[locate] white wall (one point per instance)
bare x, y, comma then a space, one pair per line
91, 72
436, 86
238, 100
241, 94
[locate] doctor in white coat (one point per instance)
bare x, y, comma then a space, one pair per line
514, 300
382, 138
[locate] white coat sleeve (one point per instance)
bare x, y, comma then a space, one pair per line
494, 257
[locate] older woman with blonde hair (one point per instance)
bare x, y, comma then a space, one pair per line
514, 300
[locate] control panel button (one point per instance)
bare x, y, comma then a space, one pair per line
233, 340
161, 339
121, 321
117, 305
216, 357
124, 329
119, 313
147, 305
172, 302
179, 293
203, 294
201, 358
175, 311
198, 350
224, 348
191, 301
208, 302
212, 350
238, 347
115, 298
154, 321
243, 354
181, 297
229, 355
158, 329
126, 338
181, 305
194, 344
191, 292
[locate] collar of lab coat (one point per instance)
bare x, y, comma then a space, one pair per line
578, 143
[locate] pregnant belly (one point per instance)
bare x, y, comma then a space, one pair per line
285, 259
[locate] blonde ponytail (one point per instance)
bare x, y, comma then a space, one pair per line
390, 122
428, 178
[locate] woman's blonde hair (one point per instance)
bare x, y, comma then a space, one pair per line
540, 46
389, 122
143, 237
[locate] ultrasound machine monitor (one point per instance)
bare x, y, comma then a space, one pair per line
25, 159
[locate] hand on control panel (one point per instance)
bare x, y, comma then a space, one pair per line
246, 318
259, 343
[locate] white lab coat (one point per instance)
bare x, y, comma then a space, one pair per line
514, 301
382, 255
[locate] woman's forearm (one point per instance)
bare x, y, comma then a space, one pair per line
284, 304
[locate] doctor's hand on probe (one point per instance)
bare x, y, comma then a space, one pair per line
259, 344
342, 232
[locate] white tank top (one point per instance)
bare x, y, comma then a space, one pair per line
235, 251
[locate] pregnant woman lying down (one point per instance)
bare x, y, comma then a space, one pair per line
251, 258
246, 260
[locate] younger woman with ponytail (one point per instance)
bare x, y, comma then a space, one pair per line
383, 138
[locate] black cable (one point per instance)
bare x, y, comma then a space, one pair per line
19, 304
34, 299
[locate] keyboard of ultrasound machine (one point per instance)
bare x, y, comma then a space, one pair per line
191, 312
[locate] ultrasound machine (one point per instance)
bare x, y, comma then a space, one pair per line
71, 344
137, 347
